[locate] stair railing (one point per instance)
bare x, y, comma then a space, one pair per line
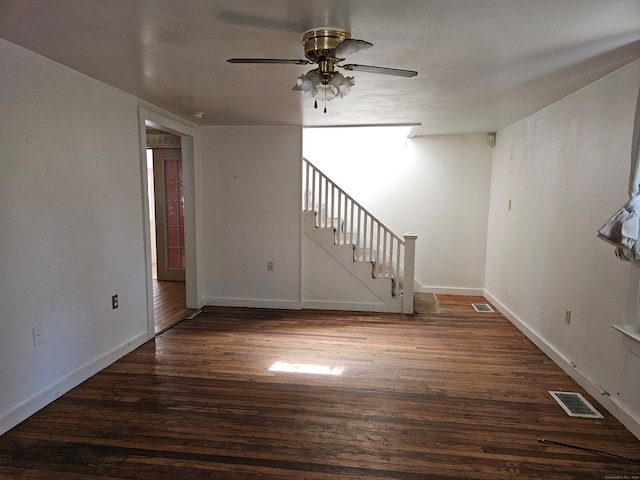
391, 256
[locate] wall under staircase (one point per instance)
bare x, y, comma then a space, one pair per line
351, 261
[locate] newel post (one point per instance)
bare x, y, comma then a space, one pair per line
409, 270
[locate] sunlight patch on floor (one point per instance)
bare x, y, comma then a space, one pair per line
305, 368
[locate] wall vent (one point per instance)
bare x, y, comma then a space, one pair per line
575, 405
482, 307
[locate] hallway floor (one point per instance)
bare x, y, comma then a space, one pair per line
169, 304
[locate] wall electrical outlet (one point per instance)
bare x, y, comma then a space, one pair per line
567, 316
270, 266
114, 301
37, 335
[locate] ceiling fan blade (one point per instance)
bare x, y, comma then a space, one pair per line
269, 60
297, 88
384, 70
349, 47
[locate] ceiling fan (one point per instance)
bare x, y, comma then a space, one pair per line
328, 47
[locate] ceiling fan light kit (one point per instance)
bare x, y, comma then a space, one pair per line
328, 47
315, 84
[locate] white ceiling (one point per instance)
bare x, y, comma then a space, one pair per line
483, 64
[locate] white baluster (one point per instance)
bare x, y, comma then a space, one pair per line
409, 265
359, 242
371, 240
313, 193
351, 229
339, 226
386, 259
326, 200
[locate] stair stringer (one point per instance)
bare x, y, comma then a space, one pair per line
362, 272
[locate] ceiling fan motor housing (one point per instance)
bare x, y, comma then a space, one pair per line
318, 43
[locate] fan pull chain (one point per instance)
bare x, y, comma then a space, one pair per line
315, 103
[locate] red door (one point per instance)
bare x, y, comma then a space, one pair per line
169, 204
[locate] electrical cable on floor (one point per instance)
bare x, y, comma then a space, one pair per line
592, 450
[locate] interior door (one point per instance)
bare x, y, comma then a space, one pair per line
169, 205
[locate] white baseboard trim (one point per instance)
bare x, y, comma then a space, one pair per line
44, 398
251, 303
474, 292
347, 306
624, 415
311, 304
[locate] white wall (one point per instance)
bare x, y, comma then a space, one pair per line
436, 187
566, 170
251, 196
72, 233
327, 285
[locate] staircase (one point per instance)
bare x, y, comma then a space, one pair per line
374, 255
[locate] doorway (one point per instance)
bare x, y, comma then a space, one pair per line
166, 213
166, 228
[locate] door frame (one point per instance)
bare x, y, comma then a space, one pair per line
189, 139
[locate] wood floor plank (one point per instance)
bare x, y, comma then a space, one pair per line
169, 304
454, 394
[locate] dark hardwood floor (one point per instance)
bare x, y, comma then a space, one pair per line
169, 304
449, 395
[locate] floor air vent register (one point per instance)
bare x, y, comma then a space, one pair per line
482, 307
575, 405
